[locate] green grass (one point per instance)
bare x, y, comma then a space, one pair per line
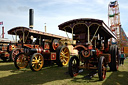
54, 75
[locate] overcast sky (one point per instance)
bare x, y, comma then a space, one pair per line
15, 13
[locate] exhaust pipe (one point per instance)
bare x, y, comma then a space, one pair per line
31, 18
3, 32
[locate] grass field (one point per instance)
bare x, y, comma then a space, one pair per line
53, 75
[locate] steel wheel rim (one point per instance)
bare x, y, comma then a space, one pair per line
22, 61
64, 56
37, 62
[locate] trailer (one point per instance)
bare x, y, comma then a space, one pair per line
38, 48
92, 37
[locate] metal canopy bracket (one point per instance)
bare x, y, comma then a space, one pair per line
95, 33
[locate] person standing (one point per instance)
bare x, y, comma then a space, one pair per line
122, 57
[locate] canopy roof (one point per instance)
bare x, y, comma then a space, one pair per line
81, 26
34, 33
5, 40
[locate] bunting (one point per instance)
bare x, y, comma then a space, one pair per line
1, 23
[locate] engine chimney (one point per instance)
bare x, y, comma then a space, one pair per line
31, 18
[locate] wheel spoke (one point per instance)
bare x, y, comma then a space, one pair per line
66, 57
33, 62
39, 64
64, 49
61, 56
66, 53
35, 57
36, 66
39, 58
64, 60
62, 52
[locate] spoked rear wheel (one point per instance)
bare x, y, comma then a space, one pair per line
36, 62
73, 66
63, 56
13, 54
21, 61
102, 68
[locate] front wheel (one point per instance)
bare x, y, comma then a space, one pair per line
102, 68
21, 61
63, 55
73, 66
36, 62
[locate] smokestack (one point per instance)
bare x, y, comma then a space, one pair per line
45, 27
3, 32
31, 18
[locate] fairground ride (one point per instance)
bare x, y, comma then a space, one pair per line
115, 24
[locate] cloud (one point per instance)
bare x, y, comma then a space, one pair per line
59, 1
23, 8
100, 1
122, 6
69, 1
55, 12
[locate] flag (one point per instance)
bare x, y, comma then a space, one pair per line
1, 23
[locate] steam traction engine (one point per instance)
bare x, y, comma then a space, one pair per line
92, 38
4, 55
38, 48
8, 50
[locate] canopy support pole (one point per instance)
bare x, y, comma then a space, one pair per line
40, 41
16, 36
88, 36
67, 35
23, 36
72, 35
95, 33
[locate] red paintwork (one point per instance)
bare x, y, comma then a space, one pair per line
4, 48
29, 45
106, 49
11, 47
53, 56
6, 54
39, 50
55, 45
78, 47
90, 47
46, 46
98, 52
